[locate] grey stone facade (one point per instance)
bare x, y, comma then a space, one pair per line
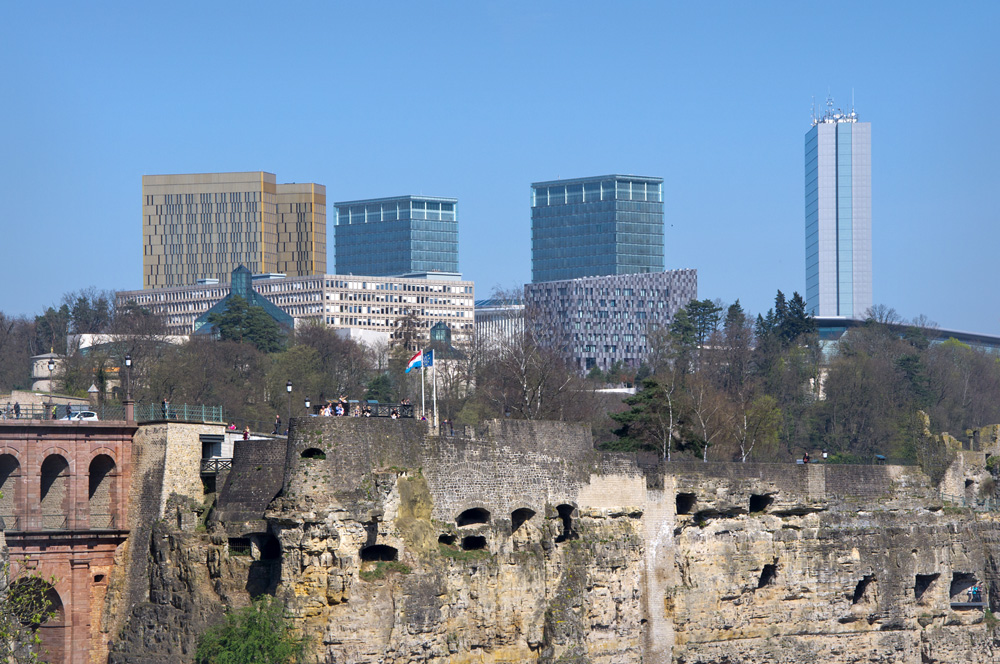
598, 321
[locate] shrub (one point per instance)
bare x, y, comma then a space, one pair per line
257, 634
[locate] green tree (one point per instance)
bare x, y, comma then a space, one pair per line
705, 317
25, 604
242, 322
257, 634
653, 416
380, 389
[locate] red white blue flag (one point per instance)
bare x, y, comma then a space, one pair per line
414, 362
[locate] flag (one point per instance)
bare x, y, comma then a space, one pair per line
428, 360
414, 362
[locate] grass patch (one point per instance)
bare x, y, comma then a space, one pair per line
456, 553
381, 569
991, 620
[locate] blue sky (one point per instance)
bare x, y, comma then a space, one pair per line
478, 100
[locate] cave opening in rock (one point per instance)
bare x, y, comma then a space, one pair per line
922, 584
760, 502
472, 517
862, 588
270, 548
519, 516
474, 543
313, 453
686, 503
447, 539
767, 575
379, 552
960, 583
565, 513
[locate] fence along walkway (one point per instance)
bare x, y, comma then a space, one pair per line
144, 412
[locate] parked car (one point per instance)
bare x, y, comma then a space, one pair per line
83, 415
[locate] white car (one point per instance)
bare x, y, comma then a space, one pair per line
83, 415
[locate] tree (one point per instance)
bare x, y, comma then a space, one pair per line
652, 420
25, 605
257, 634
242, 322
704, 316
756, 423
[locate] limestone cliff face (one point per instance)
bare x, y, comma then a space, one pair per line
521, 544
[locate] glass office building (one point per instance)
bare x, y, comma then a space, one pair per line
838, 215
597, 226
396, 236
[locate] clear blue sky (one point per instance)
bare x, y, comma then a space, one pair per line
478, 100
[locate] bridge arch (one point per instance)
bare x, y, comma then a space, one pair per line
102, 491
55, 496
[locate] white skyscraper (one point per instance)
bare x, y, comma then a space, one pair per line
838, 215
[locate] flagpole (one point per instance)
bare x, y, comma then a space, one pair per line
434, 378
423, 407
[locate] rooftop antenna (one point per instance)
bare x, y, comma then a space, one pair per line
814, 109
852, 100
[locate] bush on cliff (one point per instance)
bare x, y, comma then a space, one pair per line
256, 634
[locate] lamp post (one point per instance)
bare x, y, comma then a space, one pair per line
52, 366
307, 405
288, 388
129, 406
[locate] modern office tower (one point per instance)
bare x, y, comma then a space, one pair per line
838, 215
586, 227
405, 235
600, 321
203, 226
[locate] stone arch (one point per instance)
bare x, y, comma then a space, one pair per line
473, 516
10, 487
52, 631
565, 513
54, 496
519, 517
102, 491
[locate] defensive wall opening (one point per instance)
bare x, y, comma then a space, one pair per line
473, 517
519, 517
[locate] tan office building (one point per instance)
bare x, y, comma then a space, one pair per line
204, 225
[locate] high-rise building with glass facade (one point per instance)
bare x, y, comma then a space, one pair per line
838, 215
395, 236
597, 226
204, 225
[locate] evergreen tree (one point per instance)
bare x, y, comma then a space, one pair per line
241, 322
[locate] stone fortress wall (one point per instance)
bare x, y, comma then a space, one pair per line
522, 543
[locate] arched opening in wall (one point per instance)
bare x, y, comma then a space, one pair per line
970, 491
565, 513
922, 583
240, 546
473, 517
686, 503
519, 516
760, 502
269, 547
313, 453
474, 543
102, 490
447, 539
768, 575
33, 591
55, 498
864, 591
379, 552
962, 584
10, 474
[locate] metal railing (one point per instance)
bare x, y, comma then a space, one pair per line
215, 466
987, 504
144, 412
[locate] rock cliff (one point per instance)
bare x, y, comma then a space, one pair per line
519, 543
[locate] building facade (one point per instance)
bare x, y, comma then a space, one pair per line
203, 226
499, 321
600, 321
380, 304
596, 226
397, 236
838, 215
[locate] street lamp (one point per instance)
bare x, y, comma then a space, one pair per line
52, 365
307, 405
129, 412
288, 388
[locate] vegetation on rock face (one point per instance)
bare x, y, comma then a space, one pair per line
256, 634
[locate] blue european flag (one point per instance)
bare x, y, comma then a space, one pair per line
428, 359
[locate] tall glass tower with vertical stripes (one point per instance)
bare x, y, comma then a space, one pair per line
838, 215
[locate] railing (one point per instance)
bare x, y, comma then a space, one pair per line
215, 466
987, 504
147, 412
54, 521
10, 521
102, 521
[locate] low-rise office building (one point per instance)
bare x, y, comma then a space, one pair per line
600, 321
381, 304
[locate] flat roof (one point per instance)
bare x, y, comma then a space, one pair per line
397, 198
599, 178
